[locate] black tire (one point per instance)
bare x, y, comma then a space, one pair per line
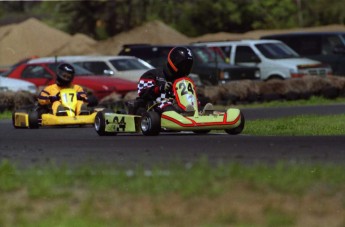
238, 129
99, 124
150, 123
275, 77
33, 119
201, 132
13, 119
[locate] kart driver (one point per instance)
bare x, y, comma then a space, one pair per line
50, 95
156, 84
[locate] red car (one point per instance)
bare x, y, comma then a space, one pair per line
43, 73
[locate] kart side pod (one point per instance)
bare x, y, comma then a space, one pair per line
109, 123
227, 121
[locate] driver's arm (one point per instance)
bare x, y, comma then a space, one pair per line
81, 94
44, 96
148, 88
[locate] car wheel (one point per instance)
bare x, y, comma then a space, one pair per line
238, 129
99, 124
33, 120
150, 123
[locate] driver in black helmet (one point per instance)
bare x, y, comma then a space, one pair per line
156, 84
50, 94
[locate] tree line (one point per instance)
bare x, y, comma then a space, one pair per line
102, 19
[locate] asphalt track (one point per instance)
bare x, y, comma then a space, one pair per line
74, 146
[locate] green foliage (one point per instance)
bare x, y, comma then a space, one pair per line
274, 14
216, 16
105, 18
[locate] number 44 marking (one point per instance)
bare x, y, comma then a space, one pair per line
120, 124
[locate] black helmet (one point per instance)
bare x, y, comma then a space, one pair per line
179, 62
64, 74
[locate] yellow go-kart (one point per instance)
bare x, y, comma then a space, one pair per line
34, 118
151, 123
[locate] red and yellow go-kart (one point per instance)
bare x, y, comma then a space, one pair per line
34, 118
152, 123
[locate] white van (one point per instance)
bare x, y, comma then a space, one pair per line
274, 58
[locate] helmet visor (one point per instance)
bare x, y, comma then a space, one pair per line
66, 76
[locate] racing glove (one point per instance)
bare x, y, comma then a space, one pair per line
165, 87
81, 97
91, 101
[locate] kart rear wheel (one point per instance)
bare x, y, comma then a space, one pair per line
238, 129
14, 121
150, 123
33, 119
99, 124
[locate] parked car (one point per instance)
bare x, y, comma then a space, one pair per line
274, 58
15, 85
43, 74
327, 47
210, 67
125, 67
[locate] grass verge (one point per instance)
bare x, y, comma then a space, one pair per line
5, 115
312, 125
198, 195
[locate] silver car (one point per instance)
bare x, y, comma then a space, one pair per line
15, 85
124, 67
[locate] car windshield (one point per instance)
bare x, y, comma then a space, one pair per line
276, 50
79, 71
129, 64
207, 55
343, 38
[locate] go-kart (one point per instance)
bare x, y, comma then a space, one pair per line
41, 116
151, 122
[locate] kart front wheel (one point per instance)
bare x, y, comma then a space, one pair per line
150, 123
33, 120
99, 125
238, 129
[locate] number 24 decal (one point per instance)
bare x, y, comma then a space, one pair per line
186, 89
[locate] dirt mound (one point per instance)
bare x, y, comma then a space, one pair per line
28, 38
256, 34
79, 44
155, 32
34, 38
217, 37
4, 30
